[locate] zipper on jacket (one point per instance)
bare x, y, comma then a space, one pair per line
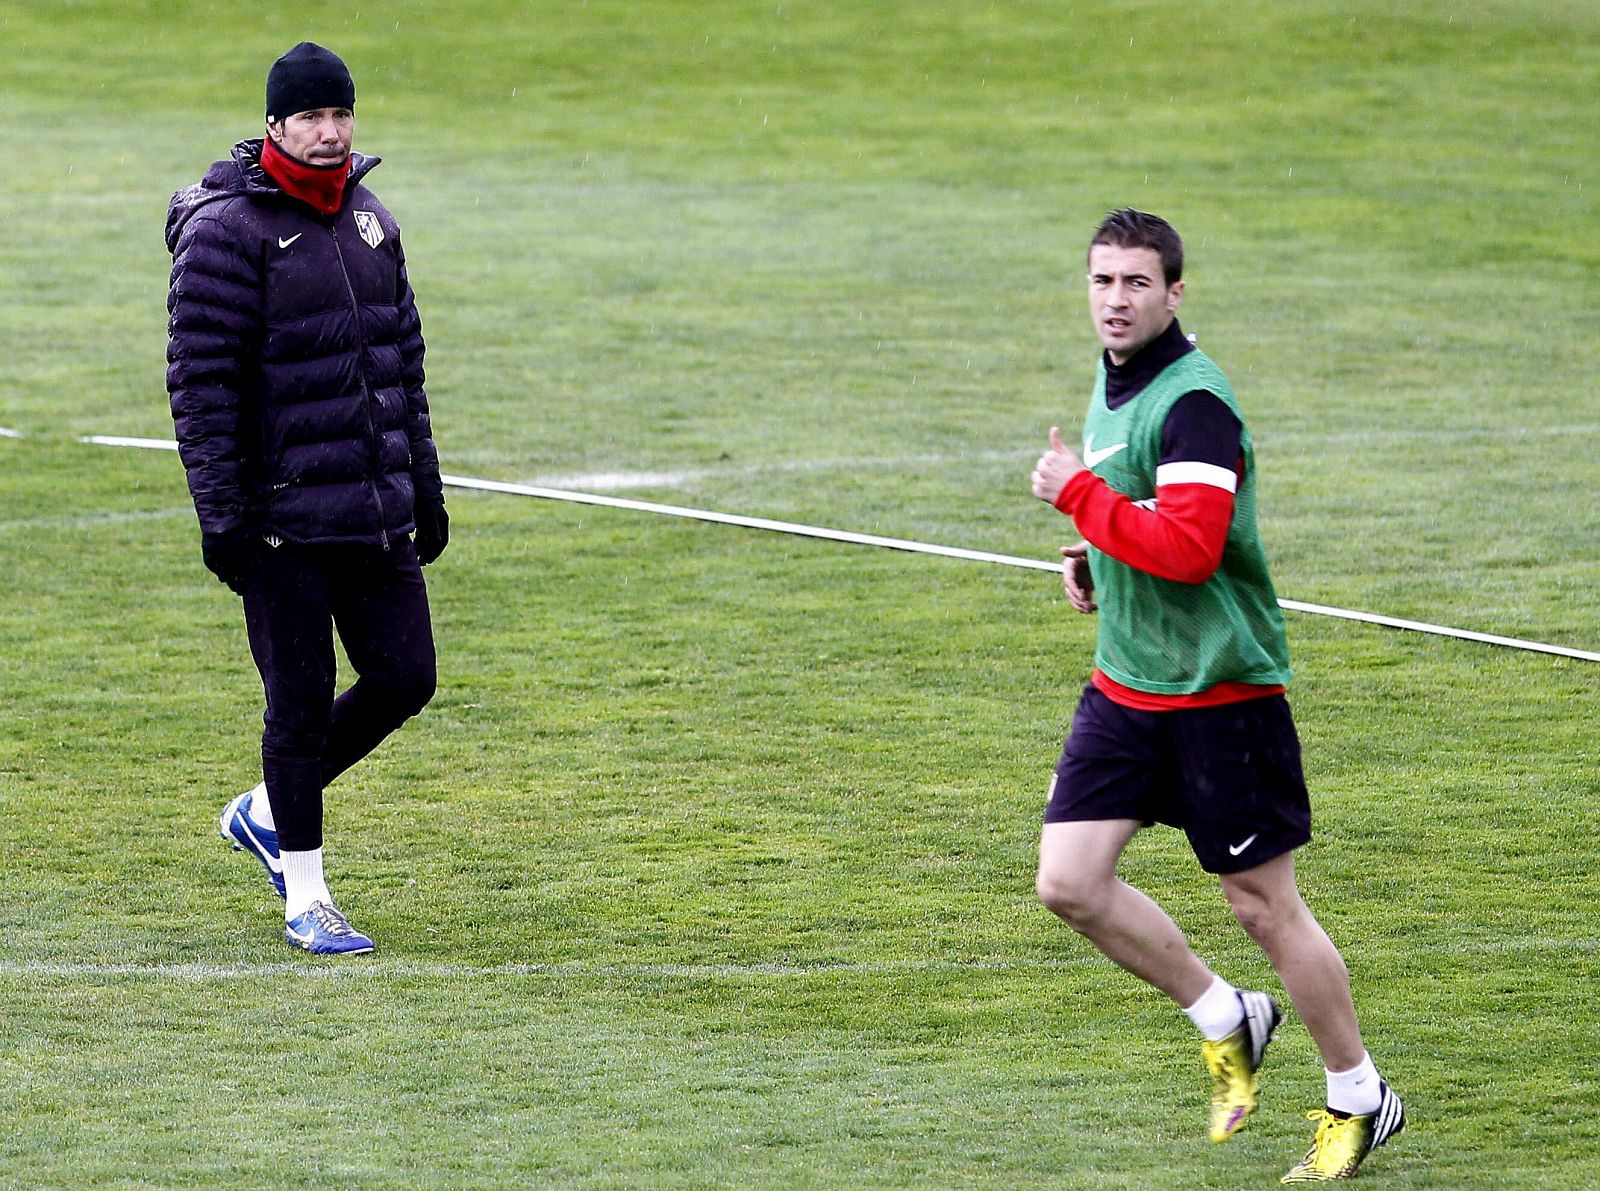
366, 393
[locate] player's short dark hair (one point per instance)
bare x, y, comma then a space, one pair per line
1127, 228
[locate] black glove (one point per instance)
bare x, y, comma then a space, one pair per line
433, 529
227, 556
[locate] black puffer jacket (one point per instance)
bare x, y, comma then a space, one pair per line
295, 360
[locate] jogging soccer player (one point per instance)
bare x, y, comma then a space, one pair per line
1185, 721
296, 382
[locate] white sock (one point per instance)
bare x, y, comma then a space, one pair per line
1218, 1012
303, 882
1354, 1091
259, 808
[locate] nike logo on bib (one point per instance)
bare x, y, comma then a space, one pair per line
282, 243
1093, 458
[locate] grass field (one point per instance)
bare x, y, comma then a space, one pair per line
711, 863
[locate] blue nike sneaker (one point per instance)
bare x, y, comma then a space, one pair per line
322, 930
246, 835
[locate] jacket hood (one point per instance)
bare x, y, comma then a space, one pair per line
240, 174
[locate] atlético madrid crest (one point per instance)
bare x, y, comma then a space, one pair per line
369, 227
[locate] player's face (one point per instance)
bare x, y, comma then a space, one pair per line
1129, 298
318, 137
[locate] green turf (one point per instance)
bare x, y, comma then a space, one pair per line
711, 863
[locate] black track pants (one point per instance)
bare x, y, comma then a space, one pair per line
295, 598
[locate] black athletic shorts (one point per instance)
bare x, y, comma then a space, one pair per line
1228, 776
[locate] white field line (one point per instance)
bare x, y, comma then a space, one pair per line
379, 968
867, 539
1395, 622
790, 527
118, 440
840, 535
5, 432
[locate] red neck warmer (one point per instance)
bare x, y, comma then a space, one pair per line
319, 187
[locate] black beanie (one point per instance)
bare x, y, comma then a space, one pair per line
306, 78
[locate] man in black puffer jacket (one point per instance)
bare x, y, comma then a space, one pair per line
295, 375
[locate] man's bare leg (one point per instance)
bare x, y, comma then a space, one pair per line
1078, 882
1268, 905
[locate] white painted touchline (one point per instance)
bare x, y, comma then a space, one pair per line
1395, 622
118, 440
791, 527
867, 539
7, 432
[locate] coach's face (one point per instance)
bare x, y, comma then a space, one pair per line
318, 137
1129, 298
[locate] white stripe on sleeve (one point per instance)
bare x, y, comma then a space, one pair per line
1198, 473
